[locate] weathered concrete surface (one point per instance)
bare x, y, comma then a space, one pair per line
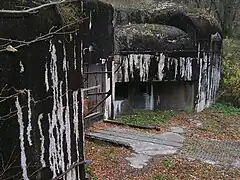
225, 153
175, 95
144, 145
196, 22
138, 160
148, 37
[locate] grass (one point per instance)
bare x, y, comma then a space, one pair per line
162, 177
220, 121
108, 152
89, 170
226, 109
146, 118
156, 118
167, 162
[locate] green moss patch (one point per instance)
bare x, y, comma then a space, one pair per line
146, 118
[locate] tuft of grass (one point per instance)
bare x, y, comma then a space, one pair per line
167, 162
146, 118
108, 152
162, 177
109, 155
89, 170
226, 109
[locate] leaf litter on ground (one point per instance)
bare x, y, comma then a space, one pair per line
219, 122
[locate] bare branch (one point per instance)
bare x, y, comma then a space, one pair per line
38, 170
14, 113
9, 164
35, 9
12, 40
11, 96
13, 177
3, 89
217, 12
44, 37
17, 174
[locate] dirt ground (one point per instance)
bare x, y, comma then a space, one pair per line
108, 161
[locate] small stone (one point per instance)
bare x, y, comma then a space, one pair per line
138, 161
178, 130
172, 137
189, 120
236, 163
199, 124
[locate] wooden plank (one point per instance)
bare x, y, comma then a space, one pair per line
97, 72
100, 93
106, 88
81, 168
93, 114
91, 88
112, 90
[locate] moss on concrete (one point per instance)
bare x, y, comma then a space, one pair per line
13, 4
193, 21
69, 12
151, 37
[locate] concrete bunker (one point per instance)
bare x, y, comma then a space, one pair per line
41, 114
156, 95
165, 55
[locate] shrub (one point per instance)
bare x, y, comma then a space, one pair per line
230, 82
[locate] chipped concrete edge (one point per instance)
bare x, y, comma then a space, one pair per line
93, 137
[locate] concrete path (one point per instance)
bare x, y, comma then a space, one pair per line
145, 146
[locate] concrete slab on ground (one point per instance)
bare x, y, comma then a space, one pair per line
145, 145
